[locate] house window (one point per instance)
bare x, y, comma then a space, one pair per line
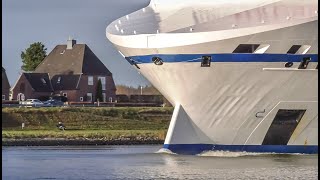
90, 80
81, 99
3, 97
89, 97
246, 48
43, 81
64, 94
110, 99
20, 97
103, 82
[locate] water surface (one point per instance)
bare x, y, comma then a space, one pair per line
145, 162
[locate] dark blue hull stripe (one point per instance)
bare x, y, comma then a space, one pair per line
198, 148
234, 57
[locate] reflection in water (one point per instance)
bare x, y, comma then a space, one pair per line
148, 162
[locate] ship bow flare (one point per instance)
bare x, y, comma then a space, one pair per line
241, 75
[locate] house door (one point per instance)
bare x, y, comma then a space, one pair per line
104, 97
20, 97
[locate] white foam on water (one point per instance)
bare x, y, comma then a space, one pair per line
229, 153
164, 151
239, 154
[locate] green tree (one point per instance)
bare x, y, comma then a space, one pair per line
33, 56
99, 91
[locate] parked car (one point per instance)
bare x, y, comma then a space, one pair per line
33, 103
53, 102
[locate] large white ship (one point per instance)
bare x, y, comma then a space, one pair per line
242, 75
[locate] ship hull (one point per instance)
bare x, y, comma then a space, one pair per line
232, 105
194, 149
227, 96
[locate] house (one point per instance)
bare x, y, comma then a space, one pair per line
70, 70
32, 85
5, 85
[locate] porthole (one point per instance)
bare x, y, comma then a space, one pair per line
206, 61
304, 63
288, 64
157, 61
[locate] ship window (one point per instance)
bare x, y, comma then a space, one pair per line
303, 49
262, 49
294, 49
288, 64
304, 63
206, 61
246, 48
157, 61
282, 126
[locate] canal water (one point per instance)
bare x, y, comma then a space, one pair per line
149, 162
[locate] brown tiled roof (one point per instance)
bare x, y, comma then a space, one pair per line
92, 65
5, 81
40, 82
65, 82
80, 59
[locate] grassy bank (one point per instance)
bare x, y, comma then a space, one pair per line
83, 134
104, 123
85, 118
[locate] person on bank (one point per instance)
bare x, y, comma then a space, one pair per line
61, 126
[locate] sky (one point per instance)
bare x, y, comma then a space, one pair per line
53, 21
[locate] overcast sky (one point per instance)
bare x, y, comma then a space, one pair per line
53, 21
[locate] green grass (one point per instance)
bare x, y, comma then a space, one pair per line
86, 122
76, 134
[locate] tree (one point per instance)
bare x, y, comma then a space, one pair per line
99, 91
33, 56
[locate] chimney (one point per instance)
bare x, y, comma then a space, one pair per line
70, 43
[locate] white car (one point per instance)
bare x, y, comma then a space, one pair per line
33, 103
